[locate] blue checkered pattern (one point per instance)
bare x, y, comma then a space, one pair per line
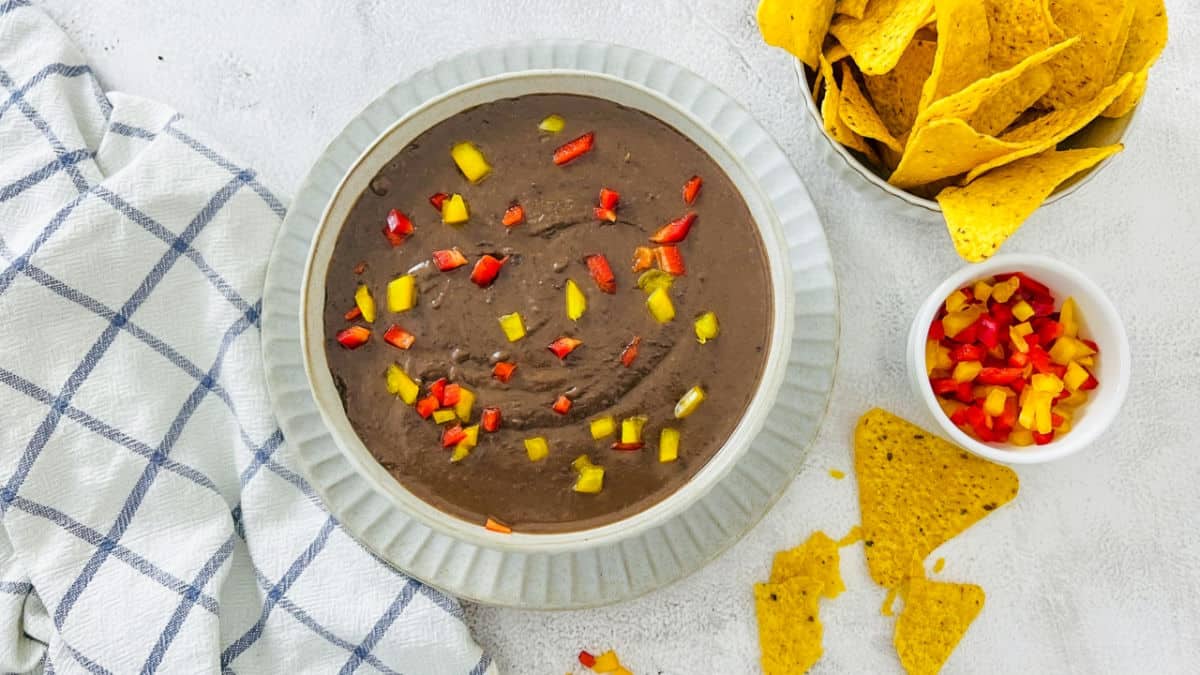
149, 515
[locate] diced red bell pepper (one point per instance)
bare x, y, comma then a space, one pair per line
1039, 358
1032, 340
449, 259
968, 334
1089, 384
451, 436
1048, 330
983, 433
562, 405
513, 216
999, 376
989, 332
360, 267
1091, 344
503, 370
399, 338
398, 227
1018, 385
628, 447
643, 258
959, 417
563, 346
1008, 419
451, 394
937, 331
630, 353
609, 198
1002, 313
1018, 359
965, 392
975, 415
691, 189
490, 421
353, 337
1064, 394
353, 314
437, 199
1043, 439
1042, 306
602, 213
1056, 420
1032, 285
674, 231
944, 385
967, 353
574, 148
427, 405
670, 260
601, 272
586, 659
486, 270
438, 389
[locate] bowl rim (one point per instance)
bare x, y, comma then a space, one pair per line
1097, 421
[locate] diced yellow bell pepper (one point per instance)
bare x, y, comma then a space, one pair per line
956, 322
1068, 349
1046, 383
553, 124
1065, 412
472, 438
1075, 376
994, 403
689, 402
950, 406
444, 415
1022, 311
966, 371
400, 384
1086, 361
1026, 418
606, 662
1065, 426
365, 303
603, 427
1021, 437
1075, 400
982, 291
1041, 414
668, 445
466, 401
513, 326
454, 210
470, 161
1003, 291
937, 357
956, 301
1068, 316
402, 293
707, 327
576, 301
537, 448
581, 462
590, 481
461, 452
631, 428
1017, 334
660, 306
652, 280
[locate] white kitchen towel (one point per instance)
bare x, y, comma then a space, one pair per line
152, 514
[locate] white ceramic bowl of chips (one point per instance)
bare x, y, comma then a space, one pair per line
1098, 321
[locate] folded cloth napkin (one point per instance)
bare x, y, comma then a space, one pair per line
152, 516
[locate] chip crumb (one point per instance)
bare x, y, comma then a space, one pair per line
936, 615
789, 627
837, 474
816, 559
854, 535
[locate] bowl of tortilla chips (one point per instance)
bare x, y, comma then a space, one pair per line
981, 110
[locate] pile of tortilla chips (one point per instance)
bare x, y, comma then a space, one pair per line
968, 100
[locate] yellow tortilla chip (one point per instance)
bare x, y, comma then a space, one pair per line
1018, 29
997, 113
1128, 100
936, 615
962, 49
858, 113
1086, 68
897, 93
984, 213
815, 559
879, 38
799, 26
916, 491
944, 148
1147, 37
836, 52
831, 114
852, 8
789, 627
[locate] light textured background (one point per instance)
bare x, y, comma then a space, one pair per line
1096, 566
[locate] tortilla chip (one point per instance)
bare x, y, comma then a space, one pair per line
836, 52
831, 114
917, 491
789, 626
944, 148
1147, 38
854, 8
1081, 72
997, 113
962, 49
1128, 100
1018, 28
984, 213
799, 26
816, 559
879, 38
1048, 131
858, 113
936, 615
897, 93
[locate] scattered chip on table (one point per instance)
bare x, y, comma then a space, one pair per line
816, 559
936, 615
789, 625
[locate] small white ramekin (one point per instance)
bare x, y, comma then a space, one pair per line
1099, 321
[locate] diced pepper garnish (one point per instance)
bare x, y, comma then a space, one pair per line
449, 259
957, 322
1018, 333
399, 338
674, 231
707, 327
590, 481
450, 395
513, 326
563, 346
438, 200
586, 659
643, 258
1022, 311
402, 293
691, 189
454, 210
967, 353
994, 403
496, 526
438, 389
470, 161
1068, 349
576, 301
602, 427
360, 267
668, 445
471, 438
1076, 376
1003, 291
606, 662
514, 215
1046, 384
503, 370
400, 384
581, 462
965, 371
630, 353
670, 260
628, 447
444, 415
660, 305
353, 314
609, 198
552, 124
490, 421
365, 303
486, 270
427, 406
562, 405
461, 452
353, 337
601, 272
1068, 316
956, 301
452, 435
982, 291
397, 227
601, 213
999, 376
652, 280
466, 401
689, 402
572, 149
631, 428
536, 448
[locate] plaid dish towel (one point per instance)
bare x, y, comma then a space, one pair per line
152, 517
